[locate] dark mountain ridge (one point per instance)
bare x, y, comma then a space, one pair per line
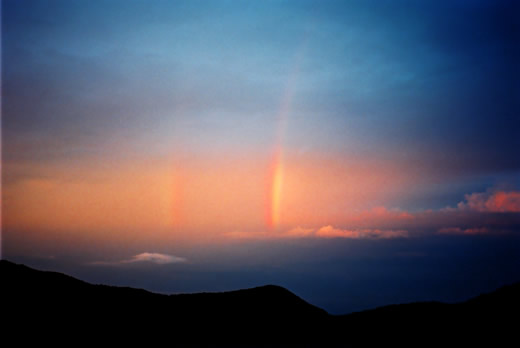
267, 316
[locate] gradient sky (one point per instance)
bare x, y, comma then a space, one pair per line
359, 153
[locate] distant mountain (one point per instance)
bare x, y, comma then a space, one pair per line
51, 304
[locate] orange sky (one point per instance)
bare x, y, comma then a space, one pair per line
192, 200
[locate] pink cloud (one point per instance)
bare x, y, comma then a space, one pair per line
383, 223
331, 232
496, 202
324, 232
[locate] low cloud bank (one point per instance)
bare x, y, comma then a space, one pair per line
157, 258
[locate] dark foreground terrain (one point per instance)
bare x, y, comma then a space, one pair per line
52, 307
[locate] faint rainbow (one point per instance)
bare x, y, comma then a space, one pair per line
276, 167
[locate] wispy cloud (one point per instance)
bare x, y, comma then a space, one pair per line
331, 232
323, 232
458, 230
157, 258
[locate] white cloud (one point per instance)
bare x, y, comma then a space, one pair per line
157, 258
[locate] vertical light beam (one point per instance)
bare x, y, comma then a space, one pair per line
276, 172
275, 189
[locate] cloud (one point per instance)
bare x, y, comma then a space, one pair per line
479, 209
496, 202
331, 232
467, 231
324, 232
157, 258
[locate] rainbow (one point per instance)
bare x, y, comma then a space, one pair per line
275, 189
276, 168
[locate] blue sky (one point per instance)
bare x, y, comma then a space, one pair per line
423, 82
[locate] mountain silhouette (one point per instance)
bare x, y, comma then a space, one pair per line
50, 304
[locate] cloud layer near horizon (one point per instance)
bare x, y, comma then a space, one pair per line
480, 213
157, 258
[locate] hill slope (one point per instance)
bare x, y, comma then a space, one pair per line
46, 301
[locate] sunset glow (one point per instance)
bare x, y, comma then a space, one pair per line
322, 146
275, 196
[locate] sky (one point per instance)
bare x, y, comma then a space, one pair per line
359, 153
